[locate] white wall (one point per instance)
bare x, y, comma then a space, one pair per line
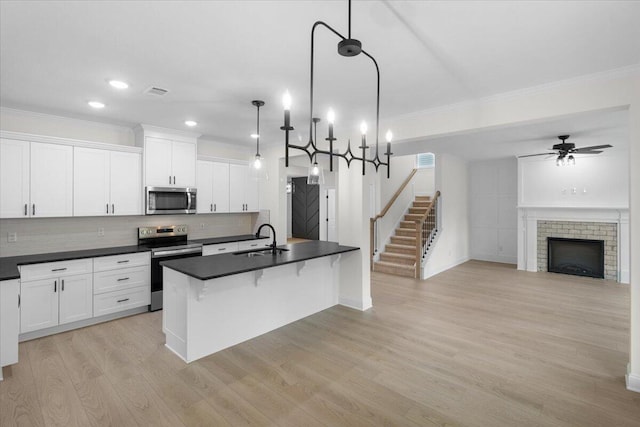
600, 180
452, 244
493, 214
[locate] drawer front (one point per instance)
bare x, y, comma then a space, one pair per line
220, 248
123, 278
253, 244
112, 302
113, 262
56, 269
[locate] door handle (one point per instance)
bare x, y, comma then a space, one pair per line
174, 179
214, 207
211, 208
113, 208
107, 207
26, 209
63, 284
33, 209
55, 286
169, 179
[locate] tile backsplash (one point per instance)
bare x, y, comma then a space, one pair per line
41, 235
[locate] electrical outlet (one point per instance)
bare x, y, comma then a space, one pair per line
12, 237
202, 225
100, 232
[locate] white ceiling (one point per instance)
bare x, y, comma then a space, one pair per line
214, 57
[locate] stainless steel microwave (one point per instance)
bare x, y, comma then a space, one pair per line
170, 200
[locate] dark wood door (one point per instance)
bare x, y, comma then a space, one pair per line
305, 210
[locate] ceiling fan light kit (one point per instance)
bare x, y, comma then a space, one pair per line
565, 150
347, 47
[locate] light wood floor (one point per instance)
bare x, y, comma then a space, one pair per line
478, 345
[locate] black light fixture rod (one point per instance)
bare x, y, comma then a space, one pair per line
349, 18
258, 131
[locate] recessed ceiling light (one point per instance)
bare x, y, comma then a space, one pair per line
255, 136
118, 84
96, 104
190, 123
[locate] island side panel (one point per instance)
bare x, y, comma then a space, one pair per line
174, 313
229, 310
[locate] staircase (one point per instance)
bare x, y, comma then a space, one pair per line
399, 256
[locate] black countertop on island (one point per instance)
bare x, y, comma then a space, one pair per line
215, 266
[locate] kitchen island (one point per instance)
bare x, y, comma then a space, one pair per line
214, 302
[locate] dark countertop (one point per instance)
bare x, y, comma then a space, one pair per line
215, 266
227, 239
9, 265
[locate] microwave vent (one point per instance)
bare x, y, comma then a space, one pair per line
156, 91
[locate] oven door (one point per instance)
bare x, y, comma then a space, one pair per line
170, 200
156, 271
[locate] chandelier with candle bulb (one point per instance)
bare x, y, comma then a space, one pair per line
346, 47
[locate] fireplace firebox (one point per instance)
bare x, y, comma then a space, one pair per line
579, 257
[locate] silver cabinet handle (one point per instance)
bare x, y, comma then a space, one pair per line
107, 207
55, 286
123, 300
169, 179
211, 207
18, 300
214, 207
26, 207
63, 284
174, 179
33, 209
123, 279
59, 269
113, 208
123, 261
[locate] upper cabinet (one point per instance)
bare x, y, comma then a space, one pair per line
213, 187
106, 182
169, 157
36, 179
243, 189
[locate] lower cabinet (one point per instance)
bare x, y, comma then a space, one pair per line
121, 282
9, 322
55, 301
219, 248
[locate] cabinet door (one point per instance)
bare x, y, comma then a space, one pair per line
14, 179
76, 298
125, 184
252, 192
51, 180
183, 164
90, 182
9, 322
204, 184
157, 162
220, 187
237, 187
39, 304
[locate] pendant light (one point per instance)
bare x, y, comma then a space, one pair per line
258, 162
315, 175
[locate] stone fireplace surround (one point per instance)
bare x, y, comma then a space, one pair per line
535, 224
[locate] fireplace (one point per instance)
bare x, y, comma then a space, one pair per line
580, 257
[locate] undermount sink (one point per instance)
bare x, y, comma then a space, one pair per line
262, 252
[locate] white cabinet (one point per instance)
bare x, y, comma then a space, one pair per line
14, 179
9, 322
243, 189
169, 163
106, 182
213, 187
121, 282
248, 245
219, 248
36, 179
55, 293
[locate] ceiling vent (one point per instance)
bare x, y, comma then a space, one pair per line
156, 91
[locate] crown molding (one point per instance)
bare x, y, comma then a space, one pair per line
37, 114
21, 136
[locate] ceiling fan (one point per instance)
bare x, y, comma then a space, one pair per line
565, 151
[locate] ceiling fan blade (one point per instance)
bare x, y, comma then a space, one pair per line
593, 147
539, 154
589, 152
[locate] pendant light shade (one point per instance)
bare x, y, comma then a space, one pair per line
257, 163
315, 176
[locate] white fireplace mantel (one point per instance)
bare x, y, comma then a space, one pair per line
528, 217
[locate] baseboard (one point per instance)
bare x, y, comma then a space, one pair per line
426, 274
633, 380
356, 304
81, 324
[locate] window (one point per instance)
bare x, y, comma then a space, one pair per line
425, 160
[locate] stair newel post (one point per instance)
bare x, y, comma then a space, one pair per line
418, 248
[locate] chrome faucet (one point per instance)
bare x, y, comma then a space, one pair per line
274, 245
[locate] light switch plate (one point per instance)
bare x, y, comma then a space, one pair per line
12, 237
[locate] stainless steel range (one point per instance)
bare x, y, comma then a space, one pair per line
166, 242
